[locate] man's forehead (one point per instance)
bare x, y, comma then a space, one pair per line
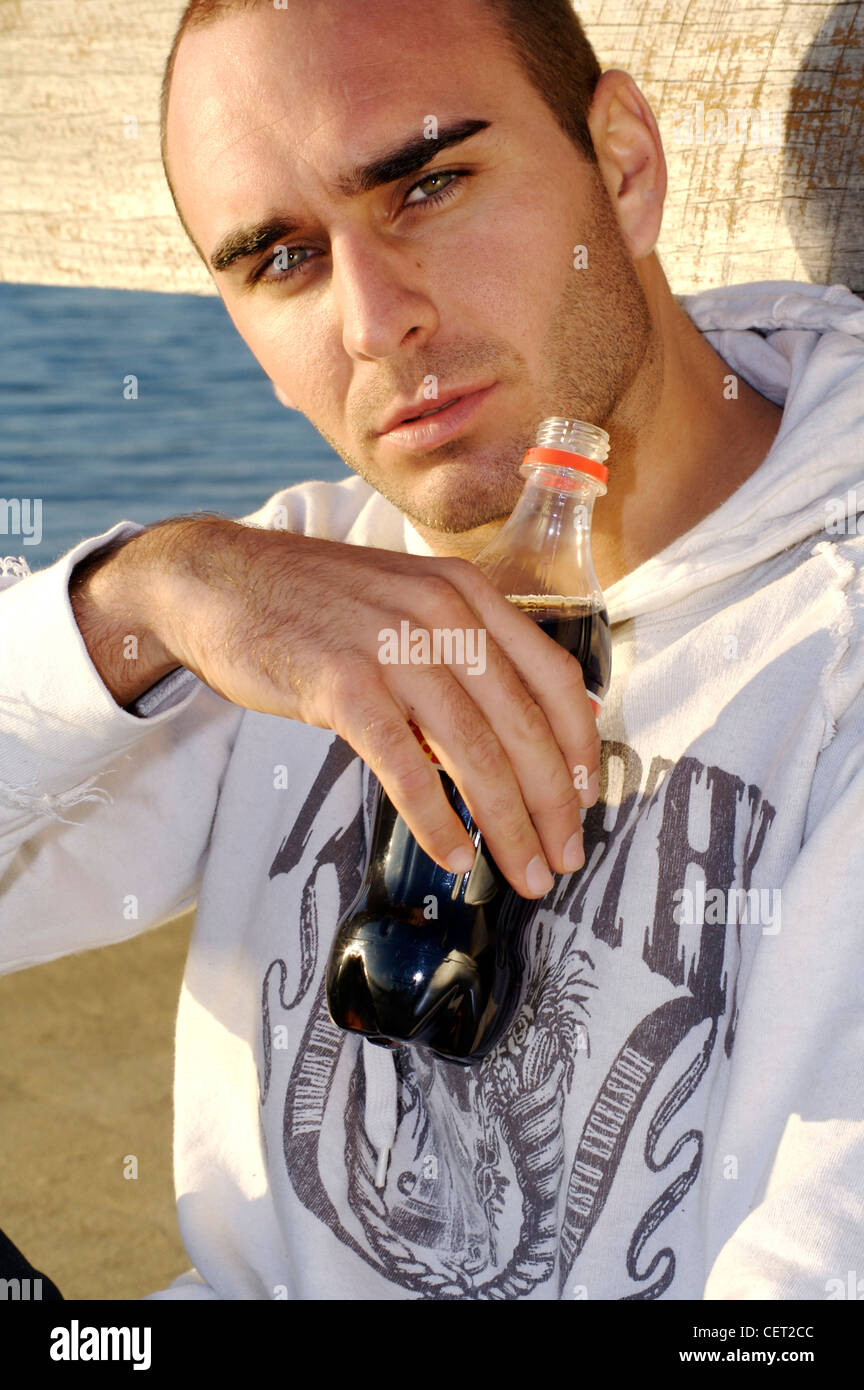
268, 84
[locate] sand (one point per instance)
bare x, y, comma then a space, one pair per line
86, 1074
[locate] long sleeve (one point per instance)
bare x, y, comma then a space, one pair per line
794, 1117
105, 815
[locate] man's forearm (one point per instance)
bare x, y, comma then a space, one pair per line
114, 596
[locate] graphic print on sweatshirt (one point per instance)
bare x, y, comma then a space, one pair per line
500, 1173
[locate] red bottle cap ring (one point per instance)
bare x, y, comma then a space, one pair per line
562, 458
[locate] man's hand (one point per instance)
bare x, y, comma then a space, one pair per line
289, 625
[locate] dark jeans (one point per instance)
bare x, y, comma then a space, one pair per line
18, 1276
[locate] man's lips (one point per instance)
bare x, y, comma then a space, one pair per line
435, 429
407, 410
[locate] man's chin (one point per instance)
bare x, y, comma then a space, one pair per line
457, 527
457, 516
456, 496
466, 500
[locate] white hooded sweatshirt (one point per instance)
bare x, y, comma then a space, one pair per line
678, 1111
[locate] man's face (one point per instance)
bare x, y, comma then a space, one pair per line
452, 277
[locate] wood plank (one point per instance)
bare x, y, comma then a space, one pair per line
85, 201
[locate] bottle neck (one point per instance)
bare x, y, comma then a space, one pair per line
554, 514
544, 546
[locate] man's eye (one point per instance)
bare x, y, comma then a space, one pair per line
438, 194
285, 261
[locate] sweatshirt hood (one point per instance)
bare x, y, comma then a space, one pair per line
801, 346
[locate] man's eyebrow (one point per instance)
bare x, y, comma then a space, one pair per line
396, 163
405, 159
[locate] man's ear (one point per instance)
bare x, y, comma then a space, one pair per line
282, 398
631, 159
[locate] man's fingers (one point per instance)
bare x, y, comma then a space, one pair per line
552, 675
469, 749
532, 693
544, 795
379, 732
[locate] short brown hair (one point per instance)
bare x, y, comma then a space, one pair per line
546, 37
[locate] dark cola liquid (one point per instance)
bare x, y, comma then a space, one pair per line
434, 958
583, 629
426, 956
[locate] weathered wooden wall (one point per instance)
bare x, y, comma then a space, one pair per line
84, 201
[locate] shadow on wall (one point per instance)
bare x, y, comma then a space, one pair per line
823, 163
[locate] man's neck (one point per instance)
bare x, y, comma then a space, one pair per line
687, 435
709, 434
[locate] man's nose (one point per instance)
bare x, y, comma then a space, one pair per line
380, 293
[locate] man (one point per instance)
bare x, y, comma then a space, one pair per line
392, 196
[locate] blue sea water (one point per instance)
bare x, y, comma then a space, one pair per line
205, 433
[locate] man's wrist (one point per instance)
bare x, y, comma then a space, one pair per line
112, 597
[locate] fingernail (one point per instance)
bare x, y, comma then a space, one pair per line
461, 861
574, 854
588, 794
538, 877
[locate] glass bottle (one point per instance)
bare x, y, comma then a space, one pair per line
541, 557
428, 956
